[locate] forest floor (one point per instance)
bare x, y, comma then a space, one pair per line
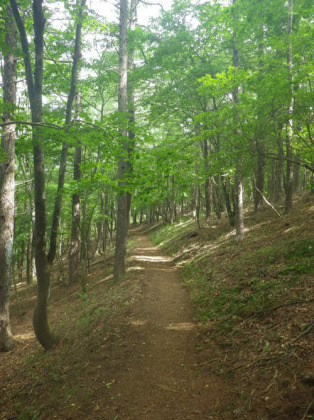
141, 349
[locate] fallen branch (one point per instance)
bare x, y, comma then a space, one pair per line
307, 410
302, 334
255, 362
274, 308
267, 202
239, 411
272, 382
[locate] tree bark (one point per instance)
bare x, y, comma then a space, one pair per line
29, 252
123, 199
34, 87
289, 134
21, 262
65, 146
260, 144
207, 186
238, 174
230, 212
239, 204
106, 222
279, 172
76, 217
7, 168
260, 175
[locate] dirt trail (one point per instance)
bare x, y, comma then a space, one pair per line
160, 376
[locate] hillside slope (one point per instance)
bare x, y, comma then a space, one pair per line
255, 301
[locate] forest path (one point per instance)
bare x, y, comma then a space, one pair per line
156, 371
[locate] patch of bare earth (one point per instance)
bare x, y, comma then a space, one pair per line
156, 371
257, 299
139, 359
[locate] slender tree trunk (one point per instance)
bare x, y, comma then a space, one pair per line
260, 144
230, 212
65, 146
29, 252
260, 176
40, 320
123, 202
198, 205
34, 86
238, 174
7, 168
239, 203
208, 189
279, 175
106, 222
217, 199
112, 221
29, 255
131, 101
289, 134
21, 262
296, 174
75, 228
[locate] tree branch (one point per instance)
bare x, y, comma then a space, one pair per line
25, 48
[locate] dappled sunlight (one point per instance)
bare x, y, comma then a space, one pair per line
291, 229
152, 259
135, 268
138, 322
24, 337
182, 326
148, 249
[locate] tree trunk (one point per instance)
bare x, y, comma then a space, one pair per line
260, 176
260, 144
208, 190
7, 168
123, 199
29, 252
279, 176
75, 228
289, 133
230, 212
238, 174
296, 174
21, 262
217, 200
34, 87
106, 222
239, 203
29, 255
65, 146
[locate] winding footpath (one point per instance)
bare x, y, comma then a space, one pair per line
160, 377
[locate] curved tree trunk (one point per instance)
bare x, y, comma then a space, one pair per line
7, 183
34, 87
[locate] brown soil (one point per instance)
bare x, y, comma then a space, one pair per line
157, 375
135, 350
140, 361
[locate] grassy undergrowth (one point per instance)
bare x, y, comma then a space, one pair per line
232, 281
255, 299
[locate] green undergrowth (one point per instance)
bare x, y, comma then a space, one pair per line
231, 282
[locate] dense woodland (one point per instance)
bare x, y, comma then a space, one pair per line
108, 122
